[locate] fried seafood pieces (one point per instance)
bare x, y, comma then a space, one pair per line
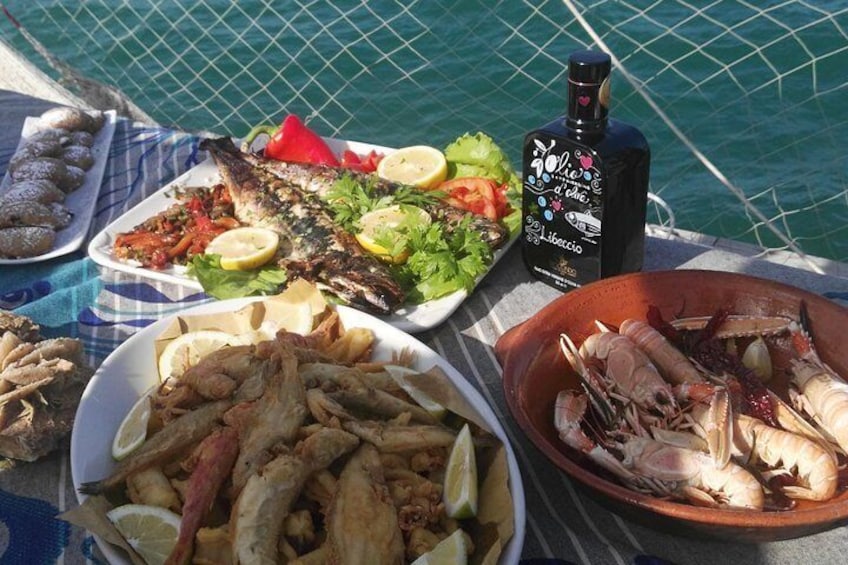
296, 449
41, 381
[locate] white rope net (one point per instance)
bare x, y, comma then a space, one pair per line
743, 103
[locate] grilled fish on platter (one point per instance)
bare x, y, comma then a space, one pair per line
319, 179
320, 250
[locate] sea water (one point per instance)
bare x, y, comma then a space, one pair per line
757, 92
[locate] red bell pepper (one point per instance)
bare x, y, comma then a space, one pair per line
293, 141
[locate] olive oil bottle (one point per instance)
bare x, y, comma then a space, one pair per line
585, 186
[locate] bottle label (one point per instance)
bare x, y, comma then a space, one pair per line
562, 208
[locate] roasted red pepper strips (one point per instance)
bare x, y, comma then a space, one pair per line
293, 141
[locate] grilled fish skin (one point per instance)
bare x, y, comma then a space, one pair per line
321, 251
319, 179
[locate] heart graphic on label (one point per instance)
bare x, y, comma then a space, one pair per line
556, 205
583, 100
585, 161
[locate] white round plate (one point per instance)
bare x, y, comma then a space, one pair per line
131, 370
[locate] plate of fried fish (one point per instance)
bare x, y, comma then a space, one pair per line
286, 436
291, 199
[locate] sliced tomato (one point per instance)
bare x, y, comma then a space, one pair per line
478, 195
364, 163
370, 161
351, 160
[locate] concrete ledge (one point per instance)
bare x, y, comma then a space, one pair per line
19, 75
780, 257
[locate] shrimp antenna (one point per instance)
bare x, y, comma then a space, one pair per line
804, 319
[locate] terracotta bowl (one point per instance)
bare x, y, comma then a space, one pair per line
534, 371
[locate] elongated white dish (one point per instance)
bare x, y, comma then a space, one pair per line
410, 318
131, 370
80, 202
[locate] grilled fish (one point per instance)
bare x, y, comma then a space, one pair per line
320, 251
319, 179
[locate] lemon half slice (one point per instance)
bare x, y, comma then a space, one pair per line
383, 221
419, 165
186, 350
150, 530
453, 550
133, 429
243, 249
460, 494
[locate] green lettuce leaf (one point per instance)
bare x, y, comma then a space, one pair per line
223, 284
479, 156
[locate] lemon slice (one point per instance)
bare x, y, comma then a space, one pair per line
419, 165
460, 493
150, 530
399, 375
450, 551
133, 429
397, 218
242, 249
187, 349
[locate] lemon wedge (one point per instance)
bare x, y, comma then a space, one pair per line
150, 530
399, 375
460, 487
418, 165
243, 249
390, 221
133, 429
187, 349
453, 550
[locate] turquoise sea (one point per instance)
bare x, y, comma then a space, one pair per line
748, 98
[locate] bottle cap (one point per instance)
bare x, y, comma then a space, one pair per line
588, 89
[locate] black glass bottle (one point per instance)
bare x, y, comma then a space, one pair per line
585, 186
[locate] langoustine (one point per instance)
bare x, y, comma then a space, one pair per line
796, 461
651, 466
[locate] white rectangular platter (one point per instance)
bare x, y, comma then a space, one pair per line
82, 201
410, 318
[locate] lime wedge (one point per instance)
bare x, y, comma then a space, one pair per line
450, 551
399, 374
150, 530
460, 488
133, 429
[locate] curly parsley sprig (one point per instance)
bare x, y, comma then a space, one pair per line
440, 261
350, 199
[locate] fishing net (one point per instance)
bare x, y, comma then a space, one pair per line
742, 102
